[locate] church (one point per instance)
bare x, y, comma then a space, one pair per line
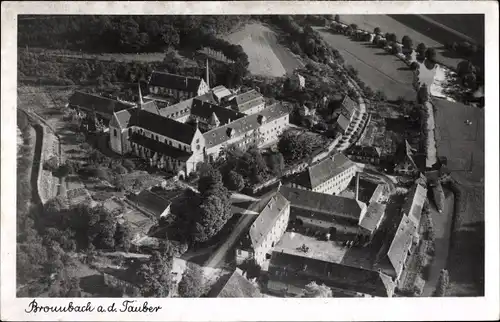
193, 131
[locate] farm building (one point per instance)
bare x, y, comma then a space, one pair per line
365, 154
372, 219
234, 285
349, 111
265, 231
323, 213
177, 86
330, 176
290, 273
92, 104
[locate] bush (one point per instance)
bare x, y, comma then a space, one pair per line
51, 164
128, 164
63, 170
119, 169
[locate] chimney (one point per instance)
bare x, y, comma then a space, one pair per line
357, 186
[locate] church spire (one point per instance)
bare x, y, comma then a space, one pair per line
140, 95
207, 76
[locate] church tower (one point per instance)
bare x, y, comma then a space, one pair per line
140, 101
207, 76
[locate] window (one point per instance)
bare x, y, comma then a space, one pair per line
130, 131
114, 132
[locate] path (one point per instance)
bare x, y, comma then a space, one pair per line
241, 226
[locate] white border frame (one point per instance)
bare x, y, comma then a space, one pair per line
254, 309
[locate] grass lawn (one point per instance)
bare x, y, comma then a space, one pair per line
377, 68
266, 56
460, 142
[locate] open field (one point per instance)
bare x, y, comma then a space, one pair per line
389, 24
468, 27
460, 143
266, 56
377, 68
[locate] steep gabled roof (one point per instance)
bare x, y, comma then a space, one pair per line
165, 126
322, 171
121, 119
414, 203
349, 105
401, 244
247, 100
237, 286
102, 105
173, 81
221, 92
323, 206
243, 125
343, 122
373, 216
267, 218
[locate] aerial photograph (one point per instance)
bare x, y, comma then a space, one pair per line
272, 156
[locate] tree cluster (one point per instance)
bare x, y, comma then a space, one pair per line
192, 282
463, 48
249, 167
209, 210
154, 276
304, 41
442, 285
296, 147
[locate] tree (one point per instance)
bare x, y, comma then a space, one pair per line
465, 67
391, 37
414, 66
123, 237
407, 43
51, 163
192, 282
423, 94
337, 18
155, 276
234, 181
377, 31
213, 213
354, 26
209, 179
430, 54
421, 49
276, 163
314, 290
442, 284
